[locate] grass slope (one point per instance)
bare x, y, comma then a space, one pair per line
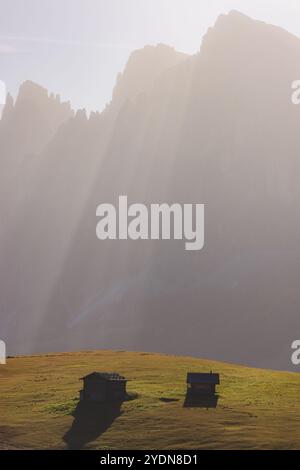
39, 395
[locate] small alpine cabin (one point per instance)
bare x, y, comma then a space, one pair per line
202, 384
103, 387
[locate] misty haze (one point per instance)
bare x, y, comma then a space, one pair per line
218, 128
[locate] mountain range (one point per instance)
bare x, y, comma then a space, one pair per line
217, 127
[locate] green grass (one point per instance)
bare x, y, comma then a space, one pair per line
257, 409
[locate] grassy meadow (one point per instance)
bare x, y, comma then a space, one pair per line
257, 409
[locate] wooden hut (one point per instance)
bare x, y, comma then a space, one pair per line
103, 387
202, 384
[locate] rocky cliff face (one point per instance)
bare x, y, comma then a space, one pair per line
26, 128
215, 128
30, 123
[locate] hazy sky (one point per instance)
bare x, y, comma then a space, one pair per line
77, 47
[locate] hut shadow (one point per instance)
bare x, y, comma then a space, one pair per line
91, 420
204, 401
168, 400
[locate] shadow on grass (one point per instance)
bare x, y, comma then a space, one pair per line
204, 401
91, 420
168, 400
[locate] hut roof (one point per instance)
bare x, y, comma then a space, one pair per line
203, 378
105, 376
